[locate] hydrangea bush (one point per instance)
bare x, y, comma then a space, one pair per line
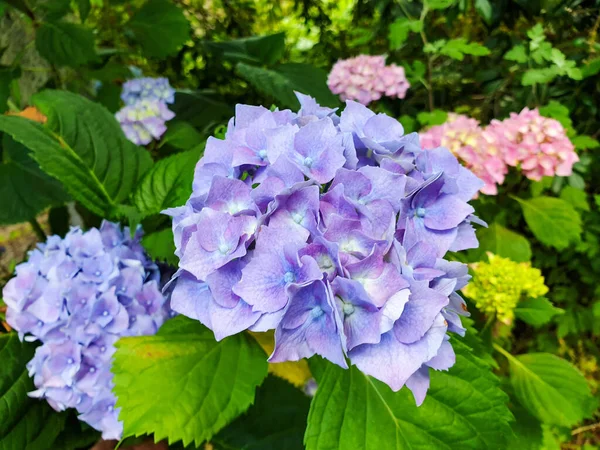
77, 296
145, 112
367, 79
332, 231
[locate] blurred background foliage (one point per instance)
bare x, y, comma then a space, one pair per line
483, 58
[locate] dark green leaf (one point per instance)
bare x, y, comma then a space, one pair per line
464, 409
275, 422
281, 82
200, 109
552, 220
25, 423
160, 245
197, 385
537, 311
160, 27
82, 146
65, 44
591, 68
24, 189
181, 135
84, 9
528, 431
256, 49
550, 388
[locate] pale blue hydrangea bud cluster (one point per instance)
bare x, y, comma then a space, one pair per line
78, 296
145, 112
331, 230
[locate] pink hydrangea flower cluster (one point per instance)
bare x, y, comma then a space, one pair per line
366, 79
475, 146
538, 145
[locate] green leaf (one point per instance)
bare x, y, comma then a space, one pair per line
583, 142
25, 190
83, 147
537, 311
439, 4
197, 385
553, 221
6, 78
503, 242
528, 431
26, 423
550, 388
576, 197
539, 76
160, 245
435, 117
181, 135
464, 409
591, 68
200, 109
160, 27
484, 8
65, 43
265, 50
457, 48
275, 422
167, 184
84, 7
281, 82
517, 53
399, 30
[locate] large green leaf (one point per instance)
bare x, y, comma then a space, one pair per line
528, 431
160, 245
550, 388
464, 409
160, 27
65, 43
502, 242
181, 135
537, 311
281, 82
24, 189
83, 147
181, 384
25, 423
256, 49
552, 220
167, 184
201, 109
275, 422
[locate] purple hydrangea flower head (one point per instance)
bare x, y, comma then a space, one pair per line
146, 88
145, 112
330, 230
144, 120
77, 296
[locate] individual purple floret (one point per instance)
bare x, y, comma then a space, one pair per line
145, 112
330, 230
78, 296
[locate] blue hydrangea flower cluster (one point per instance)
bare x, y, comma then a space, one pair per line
145, 112
332, 231
77, 296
